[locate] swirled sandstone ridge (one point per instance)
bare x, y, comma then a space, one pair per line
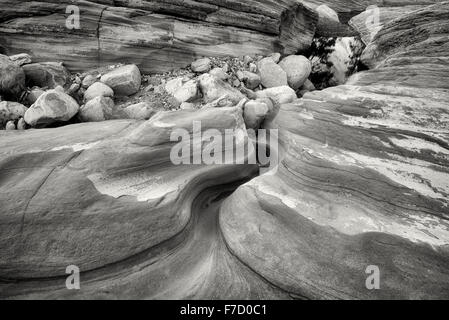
362, 181
108, 199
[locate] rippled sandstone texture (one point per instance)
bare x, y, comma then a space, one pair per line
363, 181
107, 198
156, 35
364, 178
160, 36
348, 8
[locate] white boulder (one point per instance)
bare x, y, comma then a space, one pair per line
125, 80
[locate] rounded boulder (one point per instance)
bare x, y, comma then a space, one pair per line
98, 89
52, 106
12, 79
125, 80
271, 74
298, 69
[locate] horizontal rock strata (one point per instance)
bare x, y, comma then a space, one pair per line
368, 26
363, 180
346, 9
106, 198
156, 35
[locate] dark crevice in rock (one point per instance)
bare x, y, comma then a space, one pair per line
31, 198
334, 60
205, 212
98, 34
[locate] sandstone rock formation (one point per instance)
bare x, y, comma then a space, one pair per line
99, 181
180, 31
363, 178
348, 9
329, 10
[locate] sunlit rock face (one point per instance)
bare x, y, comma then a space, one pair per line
156, 35
364, 179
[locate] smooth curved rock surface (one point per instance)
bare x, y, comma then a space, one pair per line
106, 198
363, 180
348, 25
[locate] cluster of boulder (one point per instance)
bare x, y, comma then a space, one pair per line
256, 84
45, 94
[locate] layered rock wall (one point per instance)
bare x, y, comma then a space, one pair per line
157, 35
364, 177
